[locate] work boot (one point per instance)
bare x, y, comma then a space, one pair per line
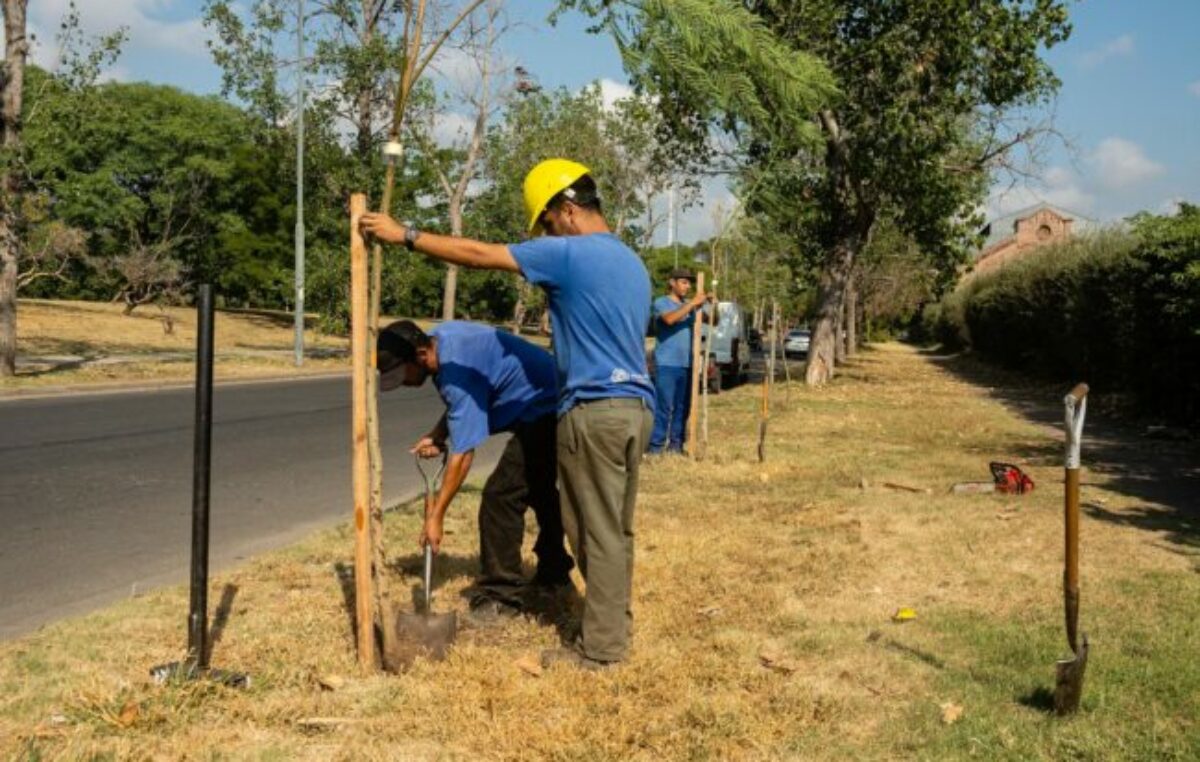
489, 612
573, 658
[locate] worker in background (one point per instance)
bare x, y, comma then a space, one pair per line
674, 320
599, 294
491, 382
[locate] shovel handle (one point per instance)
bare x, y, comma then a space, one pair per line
1076, 409
428, 577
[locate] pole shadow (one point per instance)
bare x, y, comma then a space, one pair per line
1040, 698
345, 578
220, 619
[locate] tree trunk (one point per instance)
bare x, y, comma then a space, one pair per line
519, 309
839, 335
364, 133
15, 49
458, 195
832, 288
852, 222
850, 321
450, 287
8, 306
860, 322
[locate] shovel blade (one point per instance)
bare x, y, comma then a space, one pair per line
1068, 681
419, 634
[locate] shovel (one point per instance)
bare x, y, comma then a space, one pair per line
422, 633
1068, 682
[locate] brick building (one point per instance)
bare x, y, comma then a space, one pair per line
1016, 235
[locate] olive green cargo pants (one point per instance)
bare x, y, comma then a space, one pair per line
600, 447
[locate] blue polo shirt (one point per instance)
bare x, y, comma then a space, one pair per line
673, 343
599, 295
490, 381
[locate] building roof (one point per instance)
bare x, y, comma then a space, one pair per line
1005, 227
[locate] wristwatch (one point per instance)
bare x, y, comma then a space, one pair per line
410, 237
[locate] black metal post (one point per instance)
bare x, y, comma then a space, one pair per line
201, 478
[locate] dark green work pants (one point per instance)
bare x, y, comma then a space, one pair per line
600, 446
523, 477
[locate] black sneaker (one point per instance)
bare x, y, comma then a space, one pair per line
489, 612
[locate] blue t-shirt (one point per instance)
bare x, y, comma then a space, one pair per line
673, 343
599, 294
490, 381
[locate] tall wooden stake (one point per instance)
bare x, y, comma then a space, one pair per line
414, 29
412, 64
765, 406
361, 354
697, 323
787, 368
708, 353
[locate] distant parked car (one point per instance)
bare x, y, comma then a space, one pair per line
797, 342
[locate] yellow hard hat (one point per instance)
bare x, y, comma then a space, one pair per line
547, 180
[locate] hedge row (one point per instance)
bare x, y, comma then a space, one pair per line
1119, 309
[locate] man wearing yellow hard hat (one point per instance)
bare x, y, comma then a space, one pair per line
599, 296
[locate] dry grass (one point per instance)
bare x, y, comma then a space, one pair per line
763, 603
247, 343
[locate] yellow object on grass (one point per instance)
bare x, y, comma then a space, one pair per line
904, 615
547, 180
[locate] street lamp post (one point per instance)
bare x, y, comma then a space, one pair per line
299, 183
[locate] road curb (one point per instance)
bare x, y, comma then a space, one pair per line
120, 387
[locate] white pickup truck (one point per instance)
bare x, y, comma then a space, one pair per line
730, 346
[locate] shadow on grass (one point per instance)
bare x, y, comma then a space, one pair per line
1164, 475
1040, 698
345, 577
561, 607
220, 620
914, 653
445, 567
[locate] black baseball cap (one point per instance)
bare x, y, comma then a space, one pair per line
396, 347
682, 273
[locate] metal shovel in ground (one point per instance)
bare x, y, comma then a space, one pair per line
422, 632
1068, 682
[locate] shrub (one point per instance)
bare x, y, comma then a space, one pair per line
1120, 309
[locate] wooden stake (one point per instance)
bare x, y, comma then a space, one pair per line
765, 407
787, 368
361, 354
697, 323
763, 416
708, 353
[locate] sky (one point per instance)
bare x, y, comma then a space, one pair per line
1128, 109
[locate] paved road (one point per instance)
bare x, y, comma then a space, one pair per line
95, 489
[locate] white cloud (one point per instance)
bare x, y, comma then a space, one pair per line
116, 73
1194, 88
612, 91
450, 128
1119, 163
1172, 205
1059, 186
1121, 47
1111, 181
149, 24
698, 220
